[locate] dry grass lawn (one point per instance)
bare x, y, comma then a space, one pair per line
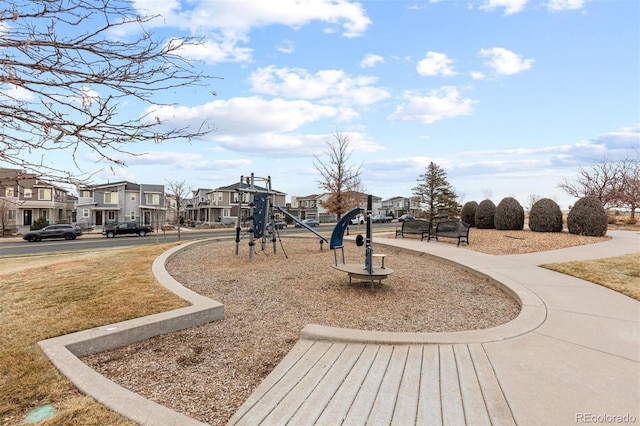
52, 295
621, 273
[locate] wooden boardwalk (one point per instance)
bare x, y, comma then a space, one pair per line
327, 383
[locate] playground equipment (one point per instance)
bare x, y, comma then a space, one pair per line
368, 271
261, 214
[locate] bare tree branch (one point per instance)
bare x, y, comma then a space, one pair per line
65, 75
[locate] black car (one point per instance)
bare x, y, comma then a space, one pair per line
68, 232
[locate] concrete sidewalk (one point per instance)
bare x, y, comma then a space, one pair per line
571, 356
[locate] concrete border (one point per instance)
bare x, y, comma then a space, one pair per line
65, 351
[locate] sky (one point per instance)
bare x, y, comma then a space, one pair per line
507, 96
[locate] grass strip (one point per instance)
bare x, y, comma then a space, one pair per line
621, 273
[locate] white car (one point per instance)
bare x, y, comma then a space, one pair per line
358, 220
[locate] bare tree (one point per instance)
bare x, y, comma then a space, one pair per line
5, 208
65, 75
339, 178
628, 187
180, 193
596, 180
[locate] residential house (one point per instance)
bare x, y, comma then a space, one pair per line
312, 207
119, 202
24, 198
220, 205
395, 206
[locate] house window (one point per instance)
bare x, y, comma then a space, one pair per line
85, 194
226, 212
44, 194
12, 215
220, 196
28, 193
8, 192
111, 216
110, 197
132, 215
133, 197
85, 212
152, 199
45, 215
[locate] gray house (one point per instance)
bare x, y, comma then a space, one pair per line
24, 198
118, 202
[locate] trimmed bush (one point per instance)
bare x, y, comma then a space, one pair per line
485, 215
587, 217
545, 216
509, 215
468, 213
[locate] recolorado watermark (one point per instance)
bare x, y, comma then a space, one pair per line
605, 418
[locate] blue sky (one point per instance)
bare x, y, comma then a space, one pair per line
507, 96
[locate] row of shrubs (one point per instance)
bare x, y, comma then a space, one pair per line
587, 217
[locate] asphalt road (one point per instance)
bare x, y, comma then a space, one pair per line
96, 241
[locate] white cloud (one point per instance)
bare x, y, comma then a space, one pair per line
504, 61
246, 115
560, 5
217, 50
327, 86
286, 47
510, 6
292, 145
438, 105
370, 60
435, 63
243, 16
15, 93
477, 75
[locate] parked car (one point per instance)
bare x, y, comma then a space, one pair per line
68, 232
127, 228
406, 217
358, 220
280, 224
380, 218
309, 222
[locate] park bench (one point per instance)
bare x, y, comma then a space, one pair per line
414, 227
452, 229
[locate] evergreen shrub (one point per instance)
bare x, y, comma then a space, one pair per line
468, 213
545, 216
509, 215
587, 217
485, 215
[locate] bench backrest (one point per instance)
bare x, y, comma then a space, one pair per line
416, 225
454, 226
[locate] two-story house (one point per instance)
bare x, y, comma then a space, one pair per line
24, 197
118, 202
312, 206
396, 206
220, 205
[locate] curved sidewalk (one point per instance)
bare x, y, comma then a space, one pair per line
572, 356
